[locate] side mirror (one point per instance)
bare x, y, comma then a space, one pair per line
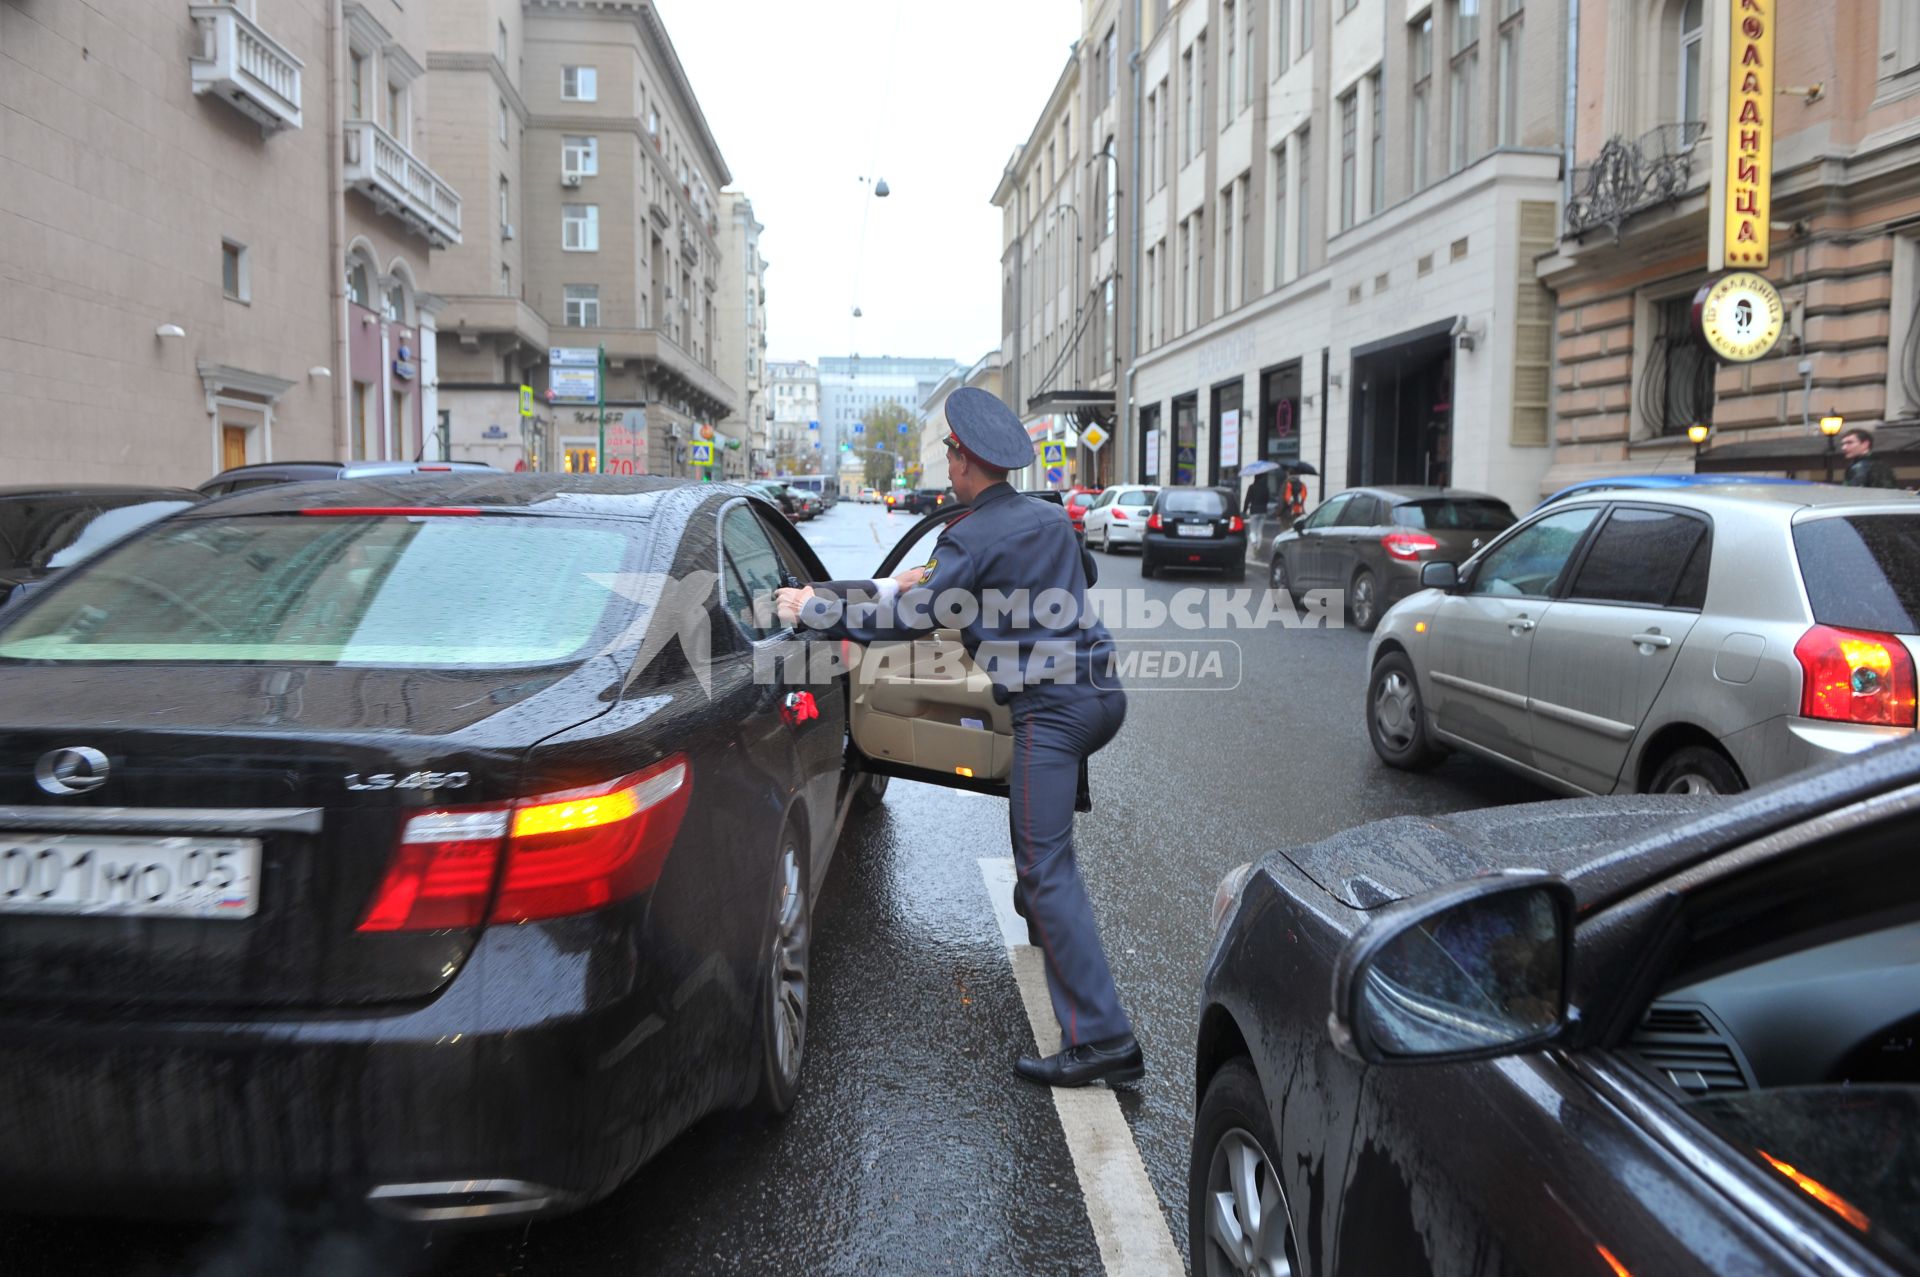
1440, 576
1470, 971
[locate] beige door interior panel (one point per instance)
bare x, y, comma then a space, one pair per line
932, 708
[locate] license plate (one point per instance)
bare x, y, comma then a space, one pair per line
1196, 530
104, 874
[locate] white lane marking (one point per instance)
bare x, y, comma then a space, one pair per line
1128, 1225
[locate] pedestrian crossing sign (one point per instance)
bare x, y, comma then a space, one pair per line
1053, 454
702, 454
526, 401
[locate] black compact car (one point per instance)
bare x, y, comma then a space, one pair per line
47, 529
446, 844
1372, 543
1195, 528
1669, 1035
267, 473
919, 500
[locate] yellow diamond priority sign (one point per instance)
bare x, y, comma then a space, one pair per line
1093, 437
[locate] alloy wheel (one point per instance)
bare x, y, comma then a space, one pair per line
1396, 710
1248, 1232
1690, 783
787, 985
1277, 574
1363, 600
1106, 538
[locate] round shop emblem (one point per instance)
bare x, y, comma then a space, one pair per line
1739, 316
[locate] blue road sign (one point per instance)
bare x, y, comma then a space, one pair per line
702, 454
903, 427
859, 428
1055, 474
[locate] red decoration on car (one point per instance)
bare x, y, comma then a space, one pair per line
799, 707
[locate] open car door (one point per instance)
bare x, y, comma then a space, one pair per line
922, 710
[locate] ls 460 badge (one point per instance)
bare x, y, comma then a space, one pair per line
417, 780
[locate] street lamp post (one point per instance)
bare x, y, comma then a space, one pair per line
1697, 436
1831, 425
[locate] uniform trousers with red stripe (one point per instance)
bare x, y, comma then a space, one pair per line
1054, 727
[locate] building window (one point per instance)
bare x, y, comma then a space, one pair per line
583, 305
1107, 327
500, 44
1509, 109
1282, 46
1692, 33
1465, 72
359, 283
1349, 154
506, 280
1110, 177
1377, 187
1186, 277
1187, 121
1676, 379
1112, 56
1304, 201
233, 270
580, 228
1279, 215
1422, 100
1347, 6
503, 119
393, 305
1152, 135
1227, 222
397, 114
1230, 43
506, 206
579, 84
356, 85
653, 121
1306, 26
580, 156
1245, 203
1246, 62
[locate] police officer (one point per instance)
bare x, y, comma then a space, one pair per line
1017, 560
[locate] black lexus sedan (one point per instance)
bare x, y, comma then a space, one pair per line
47, 528
1649, 1035
438, 843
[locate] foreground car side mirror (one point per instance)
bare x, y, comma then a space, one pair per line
1440, 576
1470, 971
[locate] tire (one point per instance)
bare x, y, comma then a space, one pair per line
872, 792
1227, 1234
1396, 716
1277, 577
1106, 538
780, 1016
1363, 601
1697, 769
1147, 565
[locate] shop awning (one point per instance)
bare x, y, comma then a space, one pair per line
1807, 452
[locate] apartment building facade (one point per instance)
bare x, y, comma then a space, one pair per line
793, 388
1650, 133
741, 339
219, 231
601, 232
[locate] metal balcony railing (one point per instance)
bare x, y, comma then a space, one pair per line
244, 67
400, 184
1628, 177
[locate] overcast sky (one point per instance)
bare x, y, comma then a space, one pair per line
806, 98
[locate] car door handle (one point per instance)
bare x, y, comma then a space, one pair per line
1520, 625
1651, 640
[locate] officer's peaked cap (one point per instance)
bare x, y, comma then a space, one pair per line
987, 429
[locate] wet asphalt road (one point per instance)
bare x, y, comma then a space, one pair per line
912, 1149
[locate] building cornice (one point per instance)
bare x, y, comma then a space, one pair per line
491, 65
218, 377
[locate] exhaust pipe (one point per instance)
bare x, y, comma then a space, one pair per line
469, 1200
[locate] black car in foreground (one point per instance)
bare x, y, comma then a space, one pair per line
1650, 1035
1195, 528
46, 529
443, 844
265, 474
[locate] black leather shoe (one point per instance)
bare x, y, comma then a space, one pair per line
1115, 1062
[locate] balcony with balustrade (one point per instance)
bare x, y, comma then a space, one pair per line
245, 67
400, 184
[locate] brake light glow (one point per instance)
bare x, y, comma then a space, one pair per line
1855, 676
565, 853
1153, 521
1407, 546
1120, 514
1236, 524
389, 511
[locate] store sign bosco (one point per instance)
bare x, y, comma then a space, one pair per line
1749, 177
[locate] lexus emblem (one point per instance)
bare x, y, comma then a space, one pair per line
74, 770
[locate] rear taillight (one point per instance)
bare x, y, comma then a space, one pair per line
1855, 676
565, 853
1153, 521
1407, 546
1120, 515
1236, 524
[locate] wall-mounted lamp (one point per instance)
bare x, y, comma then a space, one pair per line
1832, 424
169, 330
1336, 380
317, 371
1463, 336
1697, 436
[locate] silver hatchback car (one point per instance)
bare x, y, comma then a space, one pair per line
1685, 641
